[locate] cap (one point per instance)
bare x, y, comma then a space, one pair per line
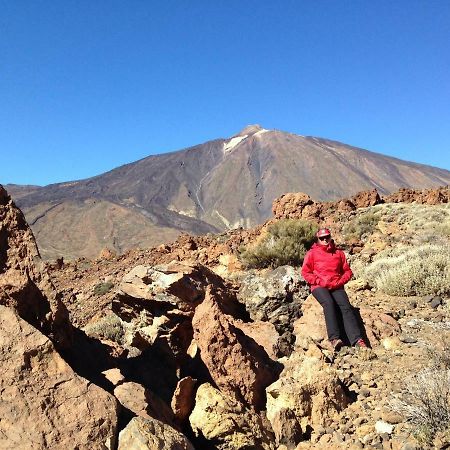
323, 232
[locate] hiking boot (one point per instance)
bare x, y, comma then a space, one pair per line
360, 343
336, 344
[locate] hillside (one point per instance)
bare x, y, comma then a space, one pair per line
181, 346
219, 185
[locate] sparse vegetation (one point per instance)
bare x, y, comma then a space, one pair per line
426, 401
286, 242
422, 270
361, 226
108, 327
103, 288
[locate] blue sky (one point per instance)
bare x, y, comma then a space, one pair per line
88, 85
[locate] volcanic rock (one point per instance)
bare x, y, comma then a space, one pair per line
25, 284
225, 421
44, 404
142, 402
148, 433
308, 392
311, 325
183, 398
238, 365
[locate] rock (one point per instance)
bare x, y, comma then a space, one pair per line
312, 324
391, 343
275, 296
44, 403
366, 198
156, 305
383, 427
391, 416
263, 333
407, 339
238, 365
435, 302
114, 376
183, 398
290, 205
143, 402
25, 283
148, 433
310, 388
226, 422
288, 430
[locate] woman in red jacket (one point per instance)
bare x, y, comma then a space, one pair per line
326, 270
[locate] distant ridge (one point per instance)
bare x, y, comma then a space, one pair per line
221, 184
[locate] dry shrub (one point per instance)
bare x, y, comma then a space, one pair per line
286, 242
426, 399
361, 226
108, 327
423, 270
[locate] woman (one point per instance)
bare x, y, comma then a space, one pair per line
326, 270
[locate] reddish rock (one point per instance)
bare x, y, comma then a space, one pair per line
44, 404
183, 399
25, 284
143, 402
237, 364
366, 198
290, 205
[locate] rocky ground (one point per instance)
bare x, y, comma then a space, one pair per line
179, 347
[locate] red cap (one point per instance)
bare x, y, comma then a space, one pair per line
323, 232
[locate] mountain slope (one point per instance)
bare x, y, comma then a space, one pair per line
214, 186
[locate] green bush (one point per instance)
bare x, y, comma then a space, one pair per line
108, 327
362, 225
286, 242
423, 270
103, 288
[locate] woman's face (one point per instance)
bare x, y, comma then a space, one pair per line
324, 240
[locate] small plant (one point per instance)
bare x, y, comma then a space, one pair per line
426, 403
286, 242
423, 270
103, 288
108, 327
361, 226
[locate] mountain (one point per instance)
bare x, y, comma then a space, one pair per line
221, 184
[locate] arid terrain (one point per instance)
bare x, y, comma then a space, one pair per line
183, 346
212, 187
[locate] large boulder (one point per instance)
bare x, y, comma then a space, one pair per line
275, 296
226, 422
148, 433
156, 304
25, 284
239, 366
307, 395
375, 325
44, 403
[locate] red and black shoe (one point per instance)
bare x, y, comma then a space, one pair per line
360, 343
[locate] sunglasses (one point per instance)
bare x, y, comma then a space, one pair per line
325, 238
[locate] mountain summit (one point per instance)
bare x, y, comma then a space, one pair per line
218, 185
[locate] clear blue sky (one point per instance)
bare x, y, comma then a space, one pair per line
88, 85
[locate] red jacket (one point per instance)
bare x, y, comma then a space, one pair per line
326, 266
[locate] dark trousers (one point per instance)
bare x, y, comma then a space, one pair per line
330, 301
